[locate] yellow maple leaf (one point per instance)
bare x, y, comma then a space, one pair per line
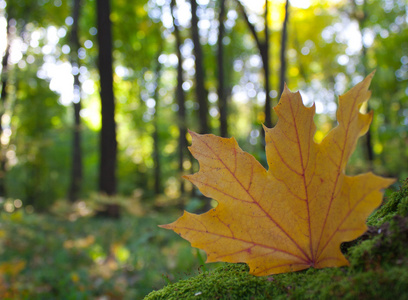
296, 214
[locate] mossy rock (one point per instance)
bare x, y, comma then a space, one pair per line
396, 204
378, 270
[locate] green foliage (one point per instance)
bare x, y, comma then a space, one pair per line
40, 142
41, 13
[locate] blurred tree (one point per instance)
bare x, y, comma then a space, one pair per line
386, 39
263, 47
359, 12
76, 171
182, 121
222, 96
282, 77
108, 144
34, 115
322, 58
201, 92
3, 99
156, 140
40, 143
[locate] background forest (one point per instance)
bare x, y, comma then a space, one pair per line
97, 97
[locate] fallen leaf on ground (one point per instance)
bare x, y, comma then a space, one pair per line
296, 214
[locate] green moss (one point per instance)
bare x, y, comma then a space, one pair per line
231, 281
396, 204
384, 245
378, 269
234, 282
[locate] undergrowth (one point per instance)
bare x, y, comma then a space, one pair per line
51, 257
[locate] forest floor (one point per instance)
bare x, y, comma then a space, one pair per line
65, 256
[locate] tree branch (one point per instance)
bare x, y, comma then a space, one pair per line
251, 26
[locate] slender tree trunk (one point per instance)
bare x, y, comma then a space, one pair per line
108, 144
76, 171
156, 140
222, 98
265, 63
182, 124
361, 18
4, 81
201, 92
263, 47
368, 136
282, 77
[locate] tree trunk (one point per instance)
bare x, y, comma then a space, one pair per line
368, 136
282, 77
361, 18
76, 171
4, 80
156, 140
182, 124
201, 93
265, 63
108, 144
222, 98
263, 47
